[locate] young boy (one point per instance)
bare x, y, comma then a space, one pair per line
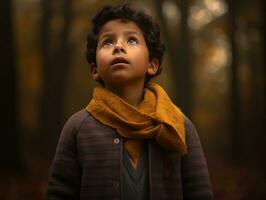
131, 141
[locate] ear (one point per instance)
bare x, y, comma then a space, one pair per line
153, 66
94, 72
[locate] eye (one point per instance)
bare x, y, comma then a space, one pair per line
107, 42
132, 41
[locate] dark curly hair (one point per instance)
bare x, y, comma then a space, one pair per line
150, 29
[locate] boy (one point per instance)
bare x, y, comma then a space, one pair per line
131, 141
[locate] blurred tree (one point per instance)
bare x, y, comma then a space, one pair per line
247, 117
237, 140
263, 26
178, 45
56, 54
256, 99
184, 59
10, 137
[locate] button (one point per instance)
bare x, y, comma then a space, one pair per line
116, 184
116, 140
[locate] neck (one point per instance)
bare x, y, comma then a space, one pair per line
132, 94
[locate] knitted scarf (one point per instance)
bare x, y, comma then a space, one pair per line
156, 118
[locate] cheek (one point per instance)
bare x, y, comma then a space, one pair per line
145, 53
144, 56
100, 58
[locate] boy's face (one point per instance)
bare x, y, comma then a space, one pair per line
122, 56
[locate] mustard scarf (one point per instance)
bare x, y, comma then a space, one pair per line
155, 118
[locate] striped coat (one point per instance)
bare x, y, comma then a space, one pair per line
88, 160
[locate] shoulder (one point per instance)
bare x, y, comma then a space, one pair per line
189, 126
76, 119
191, 132
82, 120
75, 122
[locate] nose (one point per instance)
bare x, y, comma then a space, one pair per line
119, 48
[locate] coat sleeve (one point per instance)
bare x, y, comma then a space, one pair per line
195, 176
64, 180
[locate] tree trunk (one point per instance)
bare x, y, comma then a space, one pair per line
10, 137
55, 70
184, 60
236, 138
179, 51
261, 109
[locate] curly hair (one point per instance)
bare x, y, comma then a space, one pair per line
150, 29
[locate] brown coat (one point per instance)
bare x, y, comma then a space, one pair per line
88, 158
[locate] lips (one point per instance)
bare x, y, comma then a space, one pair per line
119, 60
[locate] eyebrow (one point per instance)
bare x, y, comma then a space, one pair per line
110, 33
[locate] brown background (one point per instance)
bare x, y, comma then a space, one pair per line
213, 69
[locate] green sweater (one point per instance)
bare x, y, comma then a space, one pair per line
135, 181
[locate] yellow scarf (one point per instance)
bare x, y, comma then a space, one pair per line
155, 118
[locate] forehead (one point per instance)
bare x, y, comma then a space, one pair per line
123, 25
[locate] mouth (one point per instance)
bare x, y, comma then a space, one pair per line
119, 60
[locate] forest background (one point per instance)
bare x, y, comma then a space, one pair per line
213, 69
